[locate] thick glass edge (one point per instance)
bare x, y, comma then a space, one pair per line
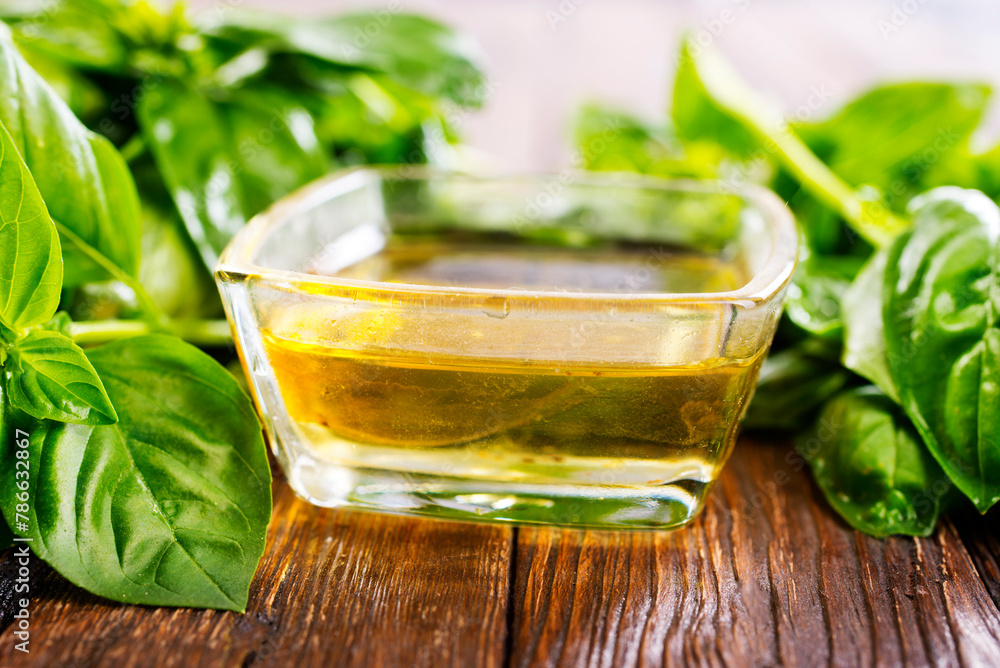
233, 265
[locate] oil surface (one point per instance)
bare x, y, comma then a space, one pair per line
479, 263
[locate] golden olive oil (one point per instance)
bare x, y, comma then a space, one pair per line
382, 389
518, 414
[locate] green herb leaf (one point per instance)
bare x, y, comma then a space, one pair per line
793, 384
82, 95
369, 118
273, 144
941, 297
613, 141
172, 271
6, 535
30, 265
984, 168
712, 104
224, 162
167, 507
814, 296
864, 334
49, 378
890, 136
418, 52
85, 183
77, 32
698, 112
872, 466
60, 322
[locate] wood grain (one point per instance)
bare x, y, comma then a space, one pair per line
335, 588
766, 576
982, 537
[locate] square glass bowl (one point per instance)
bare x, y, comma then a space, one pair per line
574, 349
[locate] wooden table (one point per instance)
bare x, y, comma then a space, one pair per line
766, 576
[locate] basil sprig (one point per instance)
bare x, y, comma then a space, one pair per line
148, 479
896, 290
135, 143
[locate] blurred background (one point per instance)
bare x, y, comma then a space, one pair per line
545, 57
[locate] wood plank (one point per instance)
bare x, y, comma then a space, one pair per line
981, 536
334, 588
767, 575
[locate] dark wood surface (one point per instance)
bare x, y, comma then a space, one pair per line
766, 576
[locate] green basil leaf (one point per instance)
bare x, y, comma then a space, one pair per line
367, 118
793, 384
49, 378
697, 113
172, 271
167, 507
713, 106
985, 168
814, 296
6, 535
85, 99
864, 334
7, 336
872, 467
614, 141
75, 32
941, 297
187, 134
30, 266
890, 136
418, 52
824, 231
85, 183
60, 322
273, 143
225, 161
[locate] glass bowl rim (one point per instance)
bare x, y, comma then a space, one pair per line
234, 265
